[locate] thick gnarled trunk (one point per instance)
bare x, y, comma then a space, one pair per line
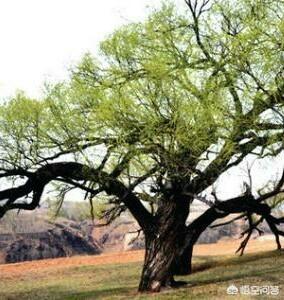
164, 258
156, 271
183, 262
165, 255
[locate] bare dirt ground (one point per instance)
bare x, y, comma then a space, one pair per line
221, 248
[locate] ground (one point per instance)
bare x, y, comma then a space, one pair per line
116, 276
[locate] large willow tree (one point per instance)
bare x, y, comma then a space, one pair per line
151, 123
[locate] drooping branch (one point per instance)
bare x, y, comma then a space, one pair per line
16, 172
246, 205
72, 172
248, 232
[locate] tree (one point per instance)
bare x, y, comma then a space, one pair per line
167, 107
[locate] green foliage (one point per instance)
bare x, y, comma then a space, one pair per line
166, 91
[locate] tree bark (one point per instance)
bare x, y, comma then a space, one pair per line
164, 255
156, 271
164, 258
183, 262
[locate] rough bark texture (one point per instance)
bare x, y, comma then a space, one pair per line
183, 262
163, 246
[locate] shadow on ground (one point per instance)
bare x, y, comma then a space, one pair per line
211, 277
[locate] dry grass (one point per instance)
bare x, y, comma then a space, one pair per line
115, 276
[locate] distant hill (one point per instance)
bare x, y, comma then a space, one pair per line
33, 235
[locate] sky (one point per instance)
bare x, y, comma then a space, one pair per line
41, 39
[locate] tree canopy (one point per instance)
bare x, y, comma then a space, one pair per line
168, 106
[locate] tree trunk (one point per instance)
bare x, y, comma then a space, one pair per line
163, 260
183, 263
156, 271
164, 255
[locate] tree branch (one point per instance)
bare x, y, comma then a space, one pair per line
70, 172
246, 204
